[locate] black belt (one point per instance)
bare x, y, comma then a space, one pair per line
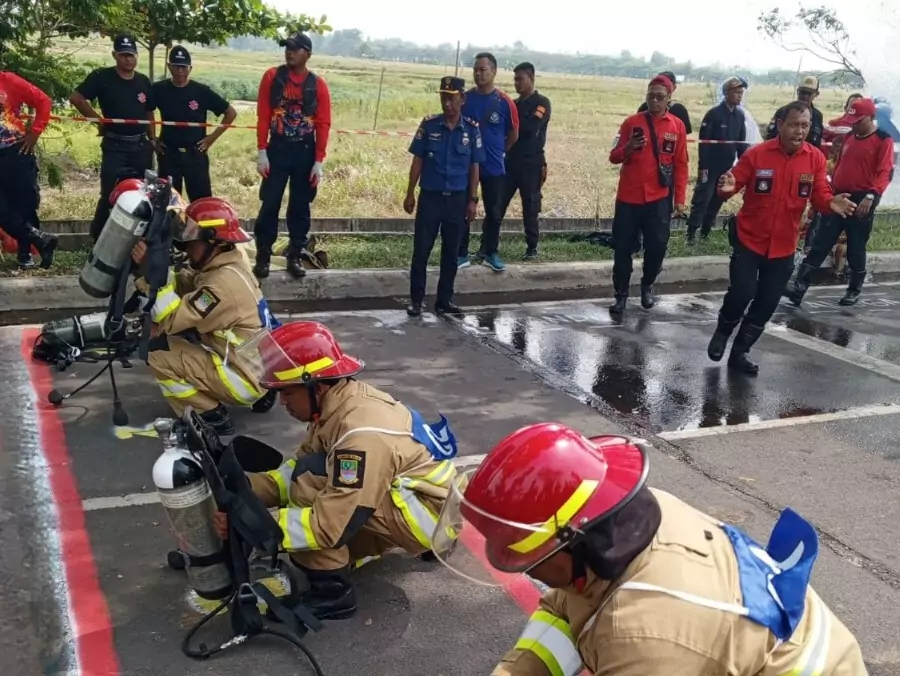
131, 138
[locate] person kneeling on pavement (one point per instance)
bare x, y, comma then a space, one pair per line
641, 583
369, 476
204, 314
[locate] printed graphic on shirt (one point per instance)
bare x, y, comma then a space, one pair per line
12, 129
539, 112
804, 188
668, 145
764, 179
288, 118
349, 469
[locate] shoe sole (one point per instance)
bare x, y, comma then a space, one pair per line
488, 265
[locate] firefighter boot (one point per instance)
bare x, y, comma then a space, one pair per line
220, 420
745, 339
295, 262
263, 259
331, 595
648, 300
621, 283
266, 402
719, 340
795, 290
854, 289
45, 243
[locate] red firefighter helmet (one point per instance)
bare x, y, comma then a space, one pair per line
300, 353
212, 219
538, 491
124, 186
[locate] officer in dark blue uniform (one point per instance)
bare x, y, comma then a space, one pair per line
447, 150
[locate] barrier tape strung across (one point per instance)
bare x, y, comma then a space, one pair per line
359, 132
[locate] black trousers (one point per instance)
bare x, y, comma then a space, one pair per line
858, 232
19, 195
756, 281
492, 190
189, 168
526, 179
119, 159
444, 211
705, 204
653, 221
290, 163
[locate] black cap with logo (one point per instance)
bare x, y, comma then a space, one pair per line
297, 41
452, 85
124, 44
179, 56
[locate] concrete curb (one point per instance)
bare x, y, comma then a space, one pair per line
24, 294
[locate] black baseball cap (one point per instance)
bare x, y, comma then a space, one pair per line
179, 56
297, 41
124, 44
452, 85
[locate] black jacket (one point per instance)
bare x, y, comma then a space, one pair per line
815, 130
722, 124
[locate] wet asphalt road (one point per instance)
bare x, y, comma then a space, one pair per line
490, 372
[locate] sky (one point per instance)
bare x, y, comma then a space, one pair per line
703, 31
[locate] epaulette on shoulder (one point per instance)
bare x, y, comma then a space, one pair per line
882, 134
429, 118
469, 120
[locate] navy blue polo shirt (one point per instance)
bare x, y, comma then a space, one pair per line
448, 154
496, 115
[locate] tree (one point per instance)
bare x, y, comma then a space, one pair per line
165, 22
823, 35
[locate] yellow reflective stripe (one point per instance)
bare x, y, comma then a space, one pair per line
813, 660
550, 639
282, 478
418, 516
296, 525
312, 367
242, 391
229, 336
562, 517
211, 223
441, 474
167, 301
179, 389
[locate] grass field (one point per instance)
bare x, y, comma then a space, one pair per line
365, 176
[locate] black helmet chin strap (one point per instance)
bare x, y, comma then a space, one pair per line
313, 399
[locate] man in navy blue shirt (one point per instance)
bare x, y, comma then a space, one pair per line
447, 151
498, 119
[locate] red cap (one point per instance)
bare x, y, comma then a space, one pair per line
858, 110
664, 81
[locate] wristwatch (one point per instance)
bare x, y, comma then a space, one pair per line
870, 196
473, 198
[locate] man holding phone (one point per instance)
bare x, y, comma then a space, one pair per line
652, 149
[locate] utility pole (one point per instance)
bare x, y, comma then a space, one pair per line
456, 72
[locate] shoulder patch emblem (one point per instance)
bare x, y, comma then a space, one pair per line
349, 469
204, 301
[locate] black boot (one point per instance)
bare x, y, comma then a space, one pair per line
331, 595
745, 339
450, 308
647, 298
45, 243
414, 309
795, 290
854, 289
618, 306
295, 262
265, 404
220, 420
263, 259
719, 340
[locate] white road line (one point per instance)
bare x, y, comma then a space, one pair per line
139, 499
849, 414
873, 364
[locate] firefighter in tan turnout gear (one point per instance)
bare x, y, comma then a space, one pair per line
204, 314
642, 584
370, 475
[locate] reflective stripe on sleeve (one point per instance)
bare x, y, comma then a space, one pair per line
420, 519
814, 658
242, 391
550, 639
282, 477
179, 389
296, 524
167, 300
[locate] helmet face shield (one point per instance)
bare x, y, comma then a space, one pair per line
511, 548
268, 362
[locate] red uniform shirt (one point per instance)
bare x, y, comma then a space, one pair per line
14, 93
779, 186
639, 177
865, 164
288, 118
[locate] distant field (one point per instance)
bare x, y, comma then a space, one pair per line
365, 176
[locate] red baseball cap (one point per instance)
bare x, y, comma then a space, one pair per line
858, 110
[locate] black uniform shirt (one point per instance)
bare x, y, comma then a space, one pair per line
131, 99
534, 116
190, 103
677, 110
722, 124
815, 129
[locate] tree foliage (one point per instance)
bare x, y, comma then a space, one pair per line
813, 30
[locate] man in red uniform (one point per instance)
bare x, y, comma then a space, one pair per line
293, 120
19, 192
651, 170
864, 170
781, 175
